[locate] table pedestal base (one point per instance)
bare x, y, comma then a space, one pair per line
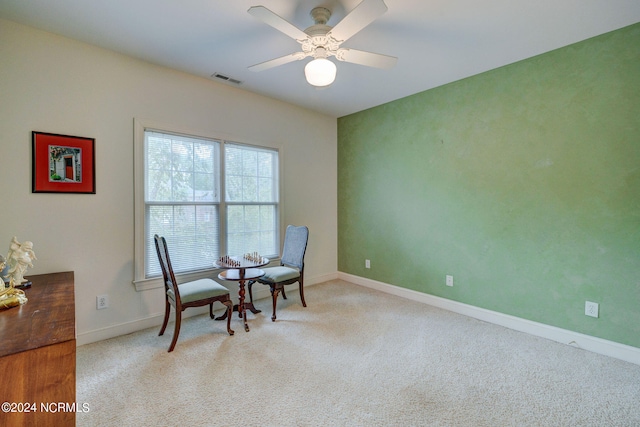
247, 306
240, 275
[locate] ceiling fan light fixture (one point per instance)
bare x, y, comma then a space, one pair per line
320, 72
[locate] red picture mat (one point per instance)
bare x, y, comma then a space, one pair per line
41, 162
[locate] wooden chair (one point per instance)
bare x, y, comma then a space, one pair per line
291, 269
197, 293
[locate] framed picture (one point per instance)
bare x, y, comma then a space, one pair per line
63, 164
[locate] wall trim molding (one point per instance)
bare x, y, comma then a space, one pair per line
155, 320
564, 336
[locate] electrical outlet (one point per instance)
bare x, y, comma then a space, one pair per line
449, 281
591, 309
367, 263
102, 301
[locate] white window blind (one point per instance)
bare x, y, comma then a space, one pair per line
182, 200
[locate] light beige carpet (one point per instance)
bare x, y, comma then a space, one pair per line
353, 357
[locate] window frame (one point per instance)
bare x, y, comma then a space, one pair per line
142, 282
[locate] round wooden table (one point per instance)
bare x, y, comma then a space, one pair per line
239, 269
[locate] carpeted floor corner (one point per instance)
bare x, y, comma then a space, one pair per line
353, 357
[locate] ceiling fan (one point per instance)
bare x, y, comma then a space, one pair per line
320, 41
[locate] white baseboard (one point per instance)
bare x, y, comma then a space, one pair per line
259, 292
586, 342
575, 339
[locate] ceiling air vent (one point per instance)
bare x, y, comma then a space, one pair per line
226, 78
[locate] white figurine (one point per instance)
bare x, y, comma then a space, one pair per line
3, 264
20, 257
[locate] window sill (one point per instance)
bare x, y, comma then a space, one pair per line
157, 282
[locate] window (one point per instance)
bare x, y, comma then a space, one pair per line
208, 197
252, 199
182, 200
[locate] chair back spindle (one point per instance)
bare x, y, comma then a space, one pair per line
170, 283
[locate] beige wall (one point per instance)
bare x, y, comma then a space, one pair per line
53, 84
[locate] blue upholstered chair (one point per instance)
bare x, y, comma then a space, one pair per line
181, 296
291, 269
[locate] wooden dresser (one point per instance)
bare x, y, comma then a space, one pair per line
38, 355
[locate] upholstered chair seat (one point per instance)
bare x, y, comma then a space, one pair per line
279, 274
198, 290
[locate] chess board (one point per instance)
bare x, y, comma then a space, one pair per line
250, 260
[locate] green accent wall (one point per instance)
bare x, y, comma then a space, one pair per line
522, 182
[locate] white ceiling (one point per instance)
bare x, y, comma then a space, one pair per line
435, 41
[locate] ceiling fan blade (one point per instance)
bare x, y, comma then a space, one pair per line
276, 62
363, 14
277, 22
366, 58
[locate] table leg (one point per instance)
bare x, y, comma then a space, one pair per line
241, 306
247, 305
